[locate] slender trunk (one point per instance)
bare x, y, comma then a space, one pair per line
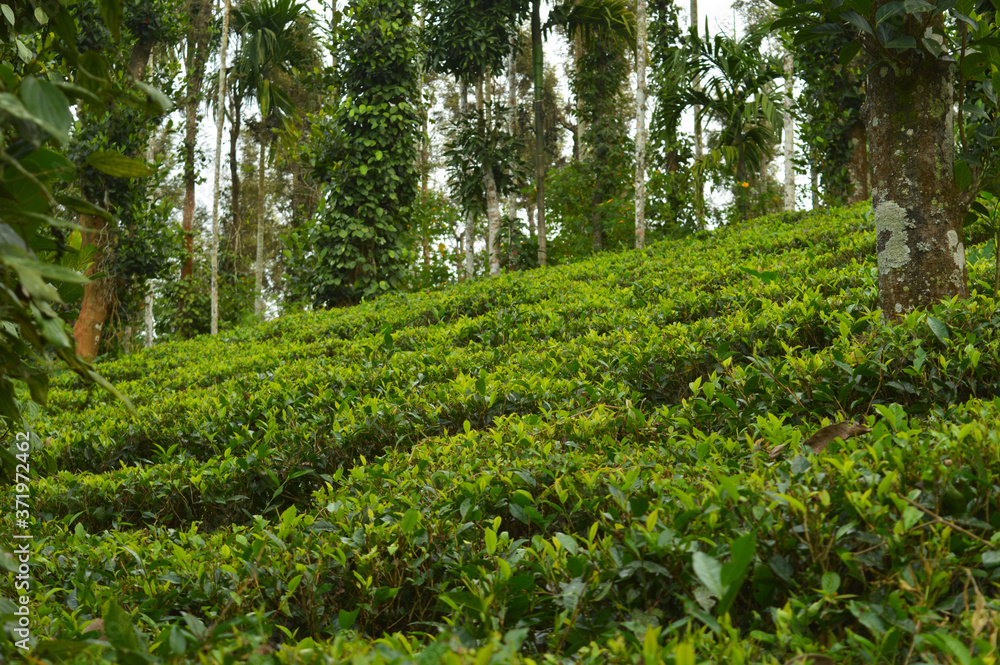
424, 154
195, 63
699, 151
258, 306
95, 308
511, 115
857, 168
814, 184
149, 320
580, 124
483, 101
530, 209
220, 122
918, 209
538, 73
640, 125
789, 137
470, 230
236, 215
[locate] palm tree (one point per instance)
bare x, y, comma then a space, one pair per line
274, 37
735, 77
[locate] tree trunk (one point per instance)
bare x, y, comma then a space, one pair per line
489, 182
95, 308
258, 306
699, 151
220, 122
511, 116
918, 209
640, 125
139, 58
857, 169
814, 184
236, 216
470, 220
789, 137
580, 124
149, 320
197, 46
538, 74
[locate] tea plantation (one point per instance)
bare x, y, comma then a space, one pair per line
596, 463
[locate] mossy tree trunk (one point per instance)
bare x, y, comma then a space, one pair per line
909, 115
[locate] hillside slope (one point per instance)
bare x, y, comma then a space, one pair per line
575, 461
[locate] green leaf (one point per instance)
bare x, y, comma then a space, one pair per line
939, 329
963, 175
346, 619
902, 42
111, 12
8, 13
77, 204
848, 53
887, 11
118, 165
830, 582
568, 542
178, 644
410, 519
118, 627
858, 21
156, 101
735, 571
709, 572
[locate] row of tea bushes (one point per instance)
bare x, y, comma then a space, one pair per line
579, 464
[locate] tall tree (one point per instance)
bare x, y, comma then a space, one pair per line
920, 195
364, 149
789, 148
538, 76
735, 78
640, 125
699, 150
274, 39
470, 41
219, 123
196, 54
132, 247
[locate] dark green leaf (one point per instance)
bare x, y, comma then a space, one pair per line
939, 329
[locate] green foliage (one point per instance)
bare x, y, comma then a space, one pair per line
183, 306
575, 208
433, 221
364, 151
578, 463
469, 39
479, 143
830, 106
35, 272
735, 76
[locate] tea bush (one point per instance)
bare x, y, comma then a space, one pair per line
601, 462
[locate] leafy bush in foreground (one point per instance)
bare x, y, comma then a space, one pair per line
581, 463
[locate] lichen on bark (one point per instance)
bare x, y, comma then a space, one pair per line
918, 209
